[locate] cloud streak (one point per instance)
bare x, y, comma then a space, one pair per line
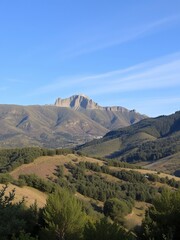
105, 41
156, 74
163, 76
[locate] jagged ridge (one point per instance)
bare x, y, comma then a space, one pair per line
83, 101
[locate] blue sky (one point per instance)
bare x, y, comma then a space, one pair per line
124, 53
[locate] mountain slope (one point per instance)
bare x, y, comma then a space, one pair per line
110, 117
59, 126
45, 126
148, 140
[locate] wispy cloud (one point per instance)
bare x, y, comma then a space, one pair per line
116, 38
99, 39
163, 76
156, 74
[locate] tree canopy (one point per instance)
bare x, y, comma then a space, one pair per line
63, 215
162, 220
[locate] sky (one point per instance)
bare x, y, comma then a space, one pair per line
119, 53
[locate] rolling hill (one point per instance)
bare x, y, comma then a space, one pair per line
92, 181
146, 141
67, 123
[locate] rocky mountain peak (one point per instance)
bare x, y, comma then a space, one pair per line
81, 101
76, 102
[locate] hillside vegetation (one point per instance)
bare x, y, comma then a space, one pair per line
117, 190
94, 179
12, 158
149, 140
30, 195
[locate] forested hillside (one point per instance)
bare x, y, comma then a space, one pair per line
148, 140
96, 199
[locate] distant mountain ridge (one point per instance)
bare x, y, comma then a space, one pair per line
69, 122
83, 101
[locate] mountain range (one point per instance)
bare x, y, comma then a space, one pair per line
66, 123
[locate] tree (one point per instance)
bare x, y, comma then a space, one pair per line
162, 220
15, 218
106, 230
24, 236
63, 216
116, 209
11, 220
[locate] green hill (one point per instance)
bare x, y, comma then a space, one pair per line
148, 140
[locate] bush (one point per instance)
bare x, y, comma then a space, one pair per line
116, 209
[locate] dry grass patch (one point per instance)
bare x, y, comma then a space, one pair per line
45, 167
88, 199
137, 215
30, 195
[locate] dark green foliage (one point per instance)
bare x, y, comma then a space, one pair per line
6, 200
135, 185
13, 217
59, 171
92, 185
158, 127
5, 178
116, 209
171, 182
24, 236
164, 130
130, 176
34, 181
116, 163
63, 216
162, 220
153, 150
106, 230
12, 158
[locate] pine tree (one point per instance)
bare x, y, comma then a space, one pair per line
63, 215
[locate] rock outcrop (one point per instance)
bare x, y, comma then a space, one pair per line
76, 102
82, 101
